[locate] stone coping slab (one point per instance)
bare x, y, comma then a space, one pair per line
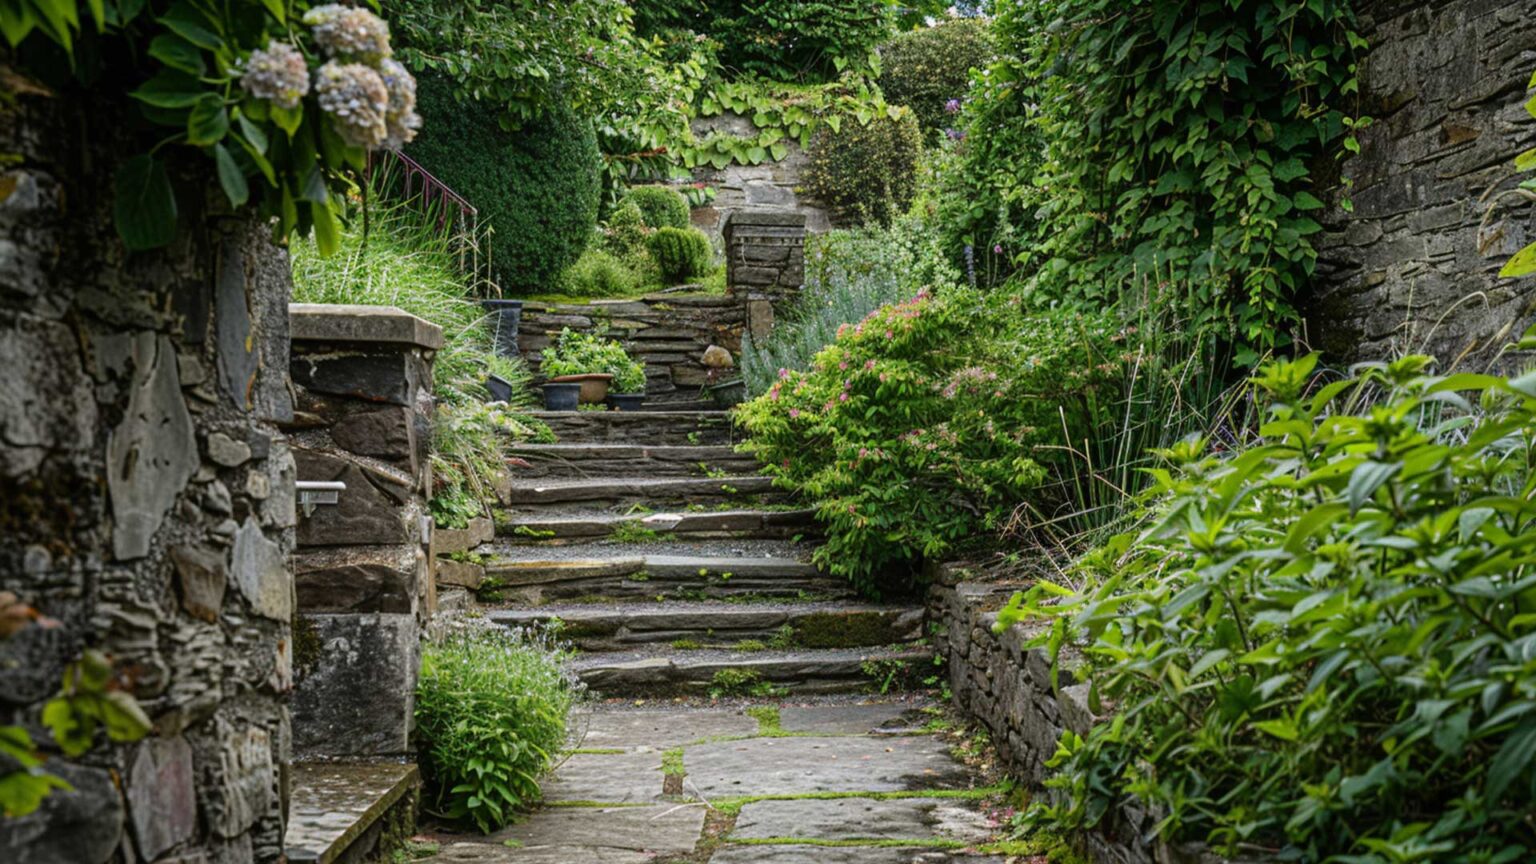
334, 803
334, 322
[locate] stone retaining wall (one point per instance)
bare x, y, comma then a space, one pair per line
1414, 268
770, 185
146, 496
667, 332
363, 376
1006, 688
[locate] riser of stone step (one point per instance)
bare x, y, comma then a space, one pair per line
649, 578
725, 524
623, 627
629, 460
554, 495
802, 672
655, 428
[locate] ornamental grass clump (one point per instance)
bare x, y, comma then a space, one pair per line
925, 425
1321, 645
491, 712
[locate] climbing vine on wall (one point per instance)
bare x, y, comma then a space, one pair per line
1189, 137
781, 114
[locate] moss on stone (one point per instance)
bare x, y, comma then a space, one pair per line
844, 630
306, 646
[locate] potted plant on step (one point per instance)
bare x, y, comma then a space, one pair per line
586, 359
628, 386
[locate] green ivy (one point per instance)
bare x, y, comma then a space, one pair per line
1183, 138
781, 114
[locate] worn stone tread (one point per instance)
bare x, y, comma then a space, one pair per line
335, 803
653, 489
656, 428
607, 627
814, 671
743, 523
598, 460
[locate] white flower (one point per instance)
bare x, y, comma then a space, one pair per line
357, 100
401, 120
278, 74
349, 33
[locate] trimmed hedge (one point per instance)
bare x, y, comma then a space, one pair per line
660, 206
537, 188
926, 68
681, 253
867, 173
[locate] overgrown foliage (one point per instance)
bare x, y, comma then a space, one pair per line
1182, 137
867, 172
806, 41
537, 188
491, 711
582, 353
922, 425
599, 273
1321, 644
681, 253
929, 69
282, 100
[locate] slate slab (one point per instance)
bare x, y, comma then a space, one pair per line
486, 853
660, 730
794, 765
664, 830
626, 778
844, 719
865, 819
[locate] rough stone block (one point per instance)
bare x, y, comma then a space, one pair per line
369, 512
152, 452
388, 433
78, 826
357, 580
162, 795
260, 569
327, 323
357, 698
460, 573
201, 577
393, 377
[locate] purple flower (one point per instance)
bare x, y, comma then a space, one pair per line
998, 249
952, 106
954, 134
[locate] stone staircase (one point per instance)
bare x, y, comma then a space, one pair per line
675, 568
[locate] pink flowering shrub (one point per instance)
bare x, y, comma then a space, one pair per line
927, 423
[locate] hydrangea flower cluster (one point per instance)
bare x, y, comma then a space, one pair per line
349, 33
400, 120
277, 74
355, 97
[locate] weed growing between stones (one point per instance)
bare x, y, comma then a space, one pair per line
634, 531
491, 712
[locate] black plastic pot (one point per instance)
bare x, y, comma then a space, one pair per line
561, 397
501, 388
626, 401
728, 393
506, 317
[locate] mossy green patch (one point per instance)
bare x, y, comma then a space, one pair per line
845, 629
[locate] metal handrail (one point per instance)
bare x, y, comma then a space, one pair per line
474, 251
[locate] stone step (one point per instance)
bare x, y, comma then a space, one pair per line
551, 495
656, 428
750, 673
607, 460
683, 525
716, 624
344, 811
533, 575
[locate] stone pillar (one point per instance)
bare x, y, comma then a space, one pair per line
764, 253
363, 375
146, 495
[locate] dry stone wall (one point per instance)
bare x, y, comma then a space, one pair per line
146, 498
363, 376
1415, 266
772, 185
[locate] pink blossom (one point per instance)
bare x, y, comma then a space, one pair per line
794, 413
890, 334
869, 364
842, 397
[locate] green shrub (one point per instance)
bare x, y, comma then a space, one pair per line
537, 187
491, 709
923, 425
796, 40
681, 253
660, 206
581, 353
600, 274
1322, 642
867, 172
848, 274
929, 69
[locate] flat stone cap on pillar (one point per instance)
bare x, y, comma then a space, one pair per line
328, 322
774, 218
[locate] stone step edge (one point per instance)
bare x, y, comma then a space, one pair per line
663, 488
663, 669
338, 846
660, 566
534, 529
646, 619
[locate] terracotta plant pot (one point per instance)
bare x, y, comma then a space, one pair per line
561, 397
594, 387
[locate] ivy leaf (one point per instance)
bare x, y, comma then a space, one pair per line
779, 150
1306, 201
208, 122
278, 10
236, 189
143, 206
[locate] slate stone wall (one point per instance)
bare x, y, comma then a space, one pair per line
363, 378
1414, 267
770, 185
1006, 688
146, 497
666, 332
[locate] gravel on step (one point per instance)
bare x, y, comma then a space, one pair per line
599, 550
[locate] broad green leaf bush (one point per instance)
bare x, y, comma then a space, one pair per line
491, 713
582, 353
929, 69
536, 188
848, 274
926, 423
866, 172
1322, 643
660, 206
681, 254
